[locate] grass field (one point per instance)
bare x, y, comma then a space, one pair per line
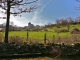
50, 34
40, 35
37, 35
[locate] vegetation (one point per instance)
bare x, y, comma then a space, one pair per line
62, 35
62, 38
34, 49
51, 41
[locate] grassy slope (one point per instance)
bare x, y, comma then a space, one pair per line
40, 34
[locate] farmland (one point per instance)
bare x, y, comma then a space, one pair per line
50, 33
40, 34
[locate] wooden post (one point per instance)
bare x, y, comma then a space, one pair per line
53, 38
45, 38
27, 35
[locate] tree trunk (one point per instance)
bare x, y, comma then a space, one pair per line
7, 22
45, 38
27, 35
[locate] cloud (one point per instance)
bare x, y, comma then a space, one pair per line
37, 18
2, 15
17, 20
38, 12
20, 21
44, 6
12, 19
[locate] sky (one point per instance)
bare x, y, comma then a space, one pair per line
48, 12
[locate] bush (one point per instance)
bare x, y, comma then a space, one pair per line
1, 37
46, 30
16, 39
62, 30
75, 31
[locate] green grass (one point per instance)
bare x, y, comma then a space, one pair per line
40, 35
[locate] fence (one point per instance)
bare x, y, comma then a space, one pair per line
75, 38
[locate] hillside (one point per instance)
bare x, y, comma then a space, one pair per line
51, 34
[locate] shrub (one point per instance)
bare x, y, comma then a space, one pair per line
16, 39
46, 30
75, 31
62, 30
1, 37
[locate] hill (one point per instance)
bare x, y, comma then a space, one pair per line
52, 33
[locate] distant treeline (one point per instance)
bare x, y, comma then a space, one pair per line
65, 22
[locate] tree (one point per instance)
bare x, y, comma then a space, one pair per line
77, 20
58, 23
63, 22
78, 8
16, 7
68, 23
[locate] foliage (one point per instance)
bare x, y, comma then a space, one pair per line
62, 30
16, 39
1, 37
39, 36
52, 50
75, 31
46, 30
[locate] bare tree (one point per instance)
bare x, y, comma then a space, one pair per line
16, 7
69, 21
63, 22
78, 8
77, 20
58, 23
78, 0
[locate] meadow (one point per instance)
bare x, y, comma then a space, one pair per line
37, 35
50, 34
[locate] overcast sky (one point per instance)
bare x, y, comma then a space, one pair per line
49, 11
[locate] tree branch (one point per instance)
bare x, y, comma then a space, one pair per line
25, 10
14, 3
78, 0
19, 3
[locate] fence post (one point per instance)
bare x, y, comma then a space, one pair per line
45, 38
27, 35
53, 38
